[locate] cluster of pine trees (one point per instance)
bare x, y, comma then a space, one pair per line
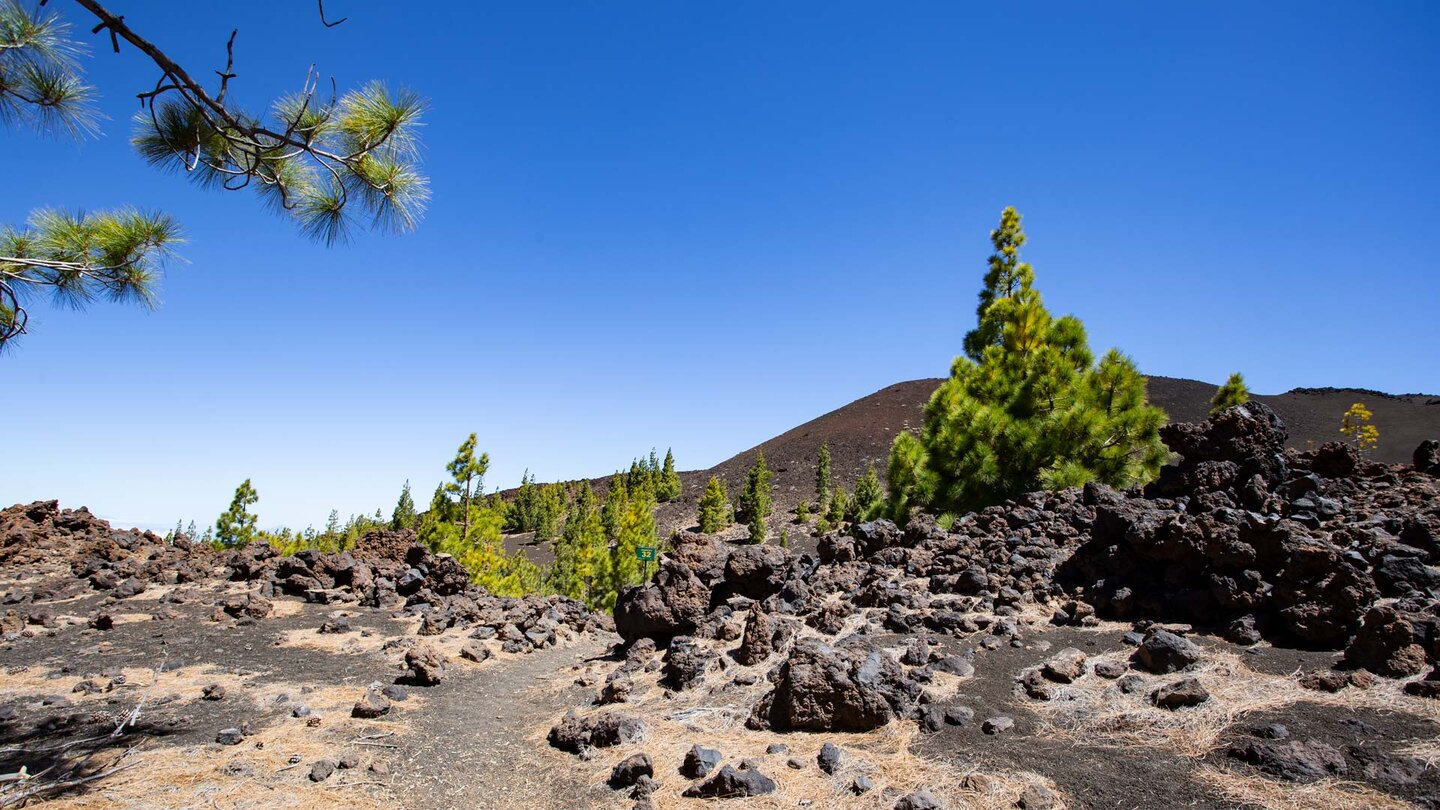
595, 541
596, 552
833, 506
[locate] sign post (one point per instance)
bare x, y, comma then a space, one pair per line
646, 555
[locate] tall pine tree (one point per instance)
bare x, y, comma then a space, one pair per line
1026, 407
404, 516
714, 507
868, 499
670, 486
823, 481
467, 478
236, 525
756, 499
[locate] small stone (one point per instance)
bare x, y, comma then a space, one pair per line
919, 800
644, 787
321, 770
997, 725
396, 692
1065, 666
475, 651
629, 770
1163, 652
829, 758
862, 784
1273, 731
730, 783
1130, 684
230, 736
372, 705
959, 715
348, 760
777, 748
1037, 797
213, 691
1180, 694
1329, 682
1109, 670
700, 761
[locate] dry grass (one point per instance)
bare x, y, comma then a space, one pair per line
33, 683
1094, 711
1271, 794
714, 714
258, 773
1426, 750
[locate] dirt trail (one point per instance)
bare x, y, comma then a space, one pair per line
476, 744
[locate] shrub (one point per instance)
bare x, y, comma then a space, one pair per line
1355, 426
1232, 393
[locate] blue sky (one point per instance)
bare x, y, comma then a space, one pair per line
697, 225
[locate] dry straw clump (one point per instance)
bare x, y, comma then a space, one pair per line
1271, 794
1093, 710
258, 773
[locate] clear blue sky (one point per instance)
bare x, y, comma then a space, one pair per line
697, 225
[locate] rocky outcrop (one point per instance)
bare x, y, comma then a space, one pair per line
673, 603
823, 688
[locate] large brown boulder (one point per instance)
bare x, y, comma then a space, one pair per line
1386, 644
673, 604
821, 688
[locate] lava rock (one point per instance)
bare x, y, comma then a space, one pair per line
997, 725
821, 688
1163, 652
372, 705
1180, 694
1065, 666
732, 784
321, 770
425, 665
699, 762
628, 771
575, 733
1294, 761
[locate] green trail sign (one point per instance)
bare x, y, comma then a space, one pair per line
645, 553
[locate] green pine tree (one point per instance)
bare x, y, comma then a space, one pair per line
670, 486
615, 501
756, 499
467, 478
236, 525
868, 500
636, 528
714, 507
404, 516
1026, 407
1233, 392
839, 504
823, 481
